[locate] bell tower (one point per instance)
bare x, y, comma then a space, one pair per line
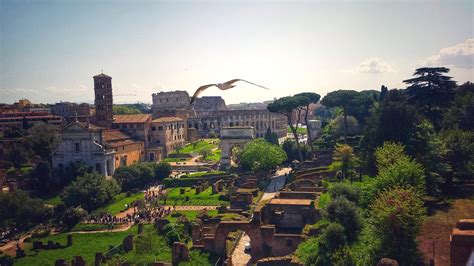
103, 100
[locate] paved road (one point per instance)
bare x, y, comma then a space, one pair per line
239, 257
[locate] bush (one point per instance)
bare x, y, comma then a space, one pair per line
344, 212
73, 216
345, 190
162, 170
90, 191
396, 216
19, 210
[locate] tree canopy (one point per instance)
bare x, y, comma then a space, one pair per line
261, 155
90, 191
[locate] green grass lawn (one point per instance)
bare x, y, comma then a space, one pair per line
195, 147
118, 204
205, 198
300, 130
85, 245
52, 200
215, 156
148, 248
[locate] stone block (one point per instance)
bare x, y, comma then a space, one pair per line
69, 240
99, 258
20, 253
60, 262
78, 261
127, 243
37, 245
179, 252
182, 191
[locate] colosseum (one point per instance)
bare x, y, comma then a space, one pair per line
208, 114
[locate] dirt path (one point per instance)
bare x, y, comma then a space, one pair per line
121, 228
437, 229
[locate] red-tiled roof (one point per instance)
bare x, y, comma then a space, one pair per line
111, 135
290, 201
141, 118
167, 119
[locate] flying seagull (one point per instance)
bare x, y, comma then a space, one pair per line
222, 86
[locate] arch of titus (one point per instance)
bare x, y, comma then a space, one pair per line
231, 137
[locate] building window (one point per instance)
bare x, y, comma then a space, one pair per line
78, 147
153, 128
160, 128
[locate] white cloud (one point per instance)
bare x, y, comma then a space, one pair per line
460, 55
373, 65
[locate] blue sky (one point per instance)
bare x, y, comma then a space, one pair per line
51, 49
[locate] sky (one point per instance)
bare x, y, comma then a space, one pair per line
50, 50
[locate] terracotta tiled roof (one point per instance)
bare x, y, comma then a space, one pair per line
167, 119
85, 125
290, 201
111, 135
141, 118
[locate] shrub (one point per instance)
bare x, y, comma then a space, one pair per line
396, 216
344, 212
345, 190
90, 191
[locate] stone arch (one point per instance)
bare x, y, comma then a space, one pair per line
253, 230
232, 137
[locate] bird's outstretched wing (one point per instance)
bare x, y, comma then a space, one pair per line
199, 90
235, 80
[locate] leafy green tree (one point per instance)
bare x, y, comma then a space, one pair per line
403, 173
344, 155
42, 177
19, 210
162, 170
260, 155
461, 114
340, 210
388, 154
125, 110
459, 155
73, 216
90, 191
431, 90
338, 127
313, 98
429, 150
331, 240
396, 217
16, 153
286, 106
43, 139
346, 99
271, 137
393, 120
291, 150
128, 177
345, 190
